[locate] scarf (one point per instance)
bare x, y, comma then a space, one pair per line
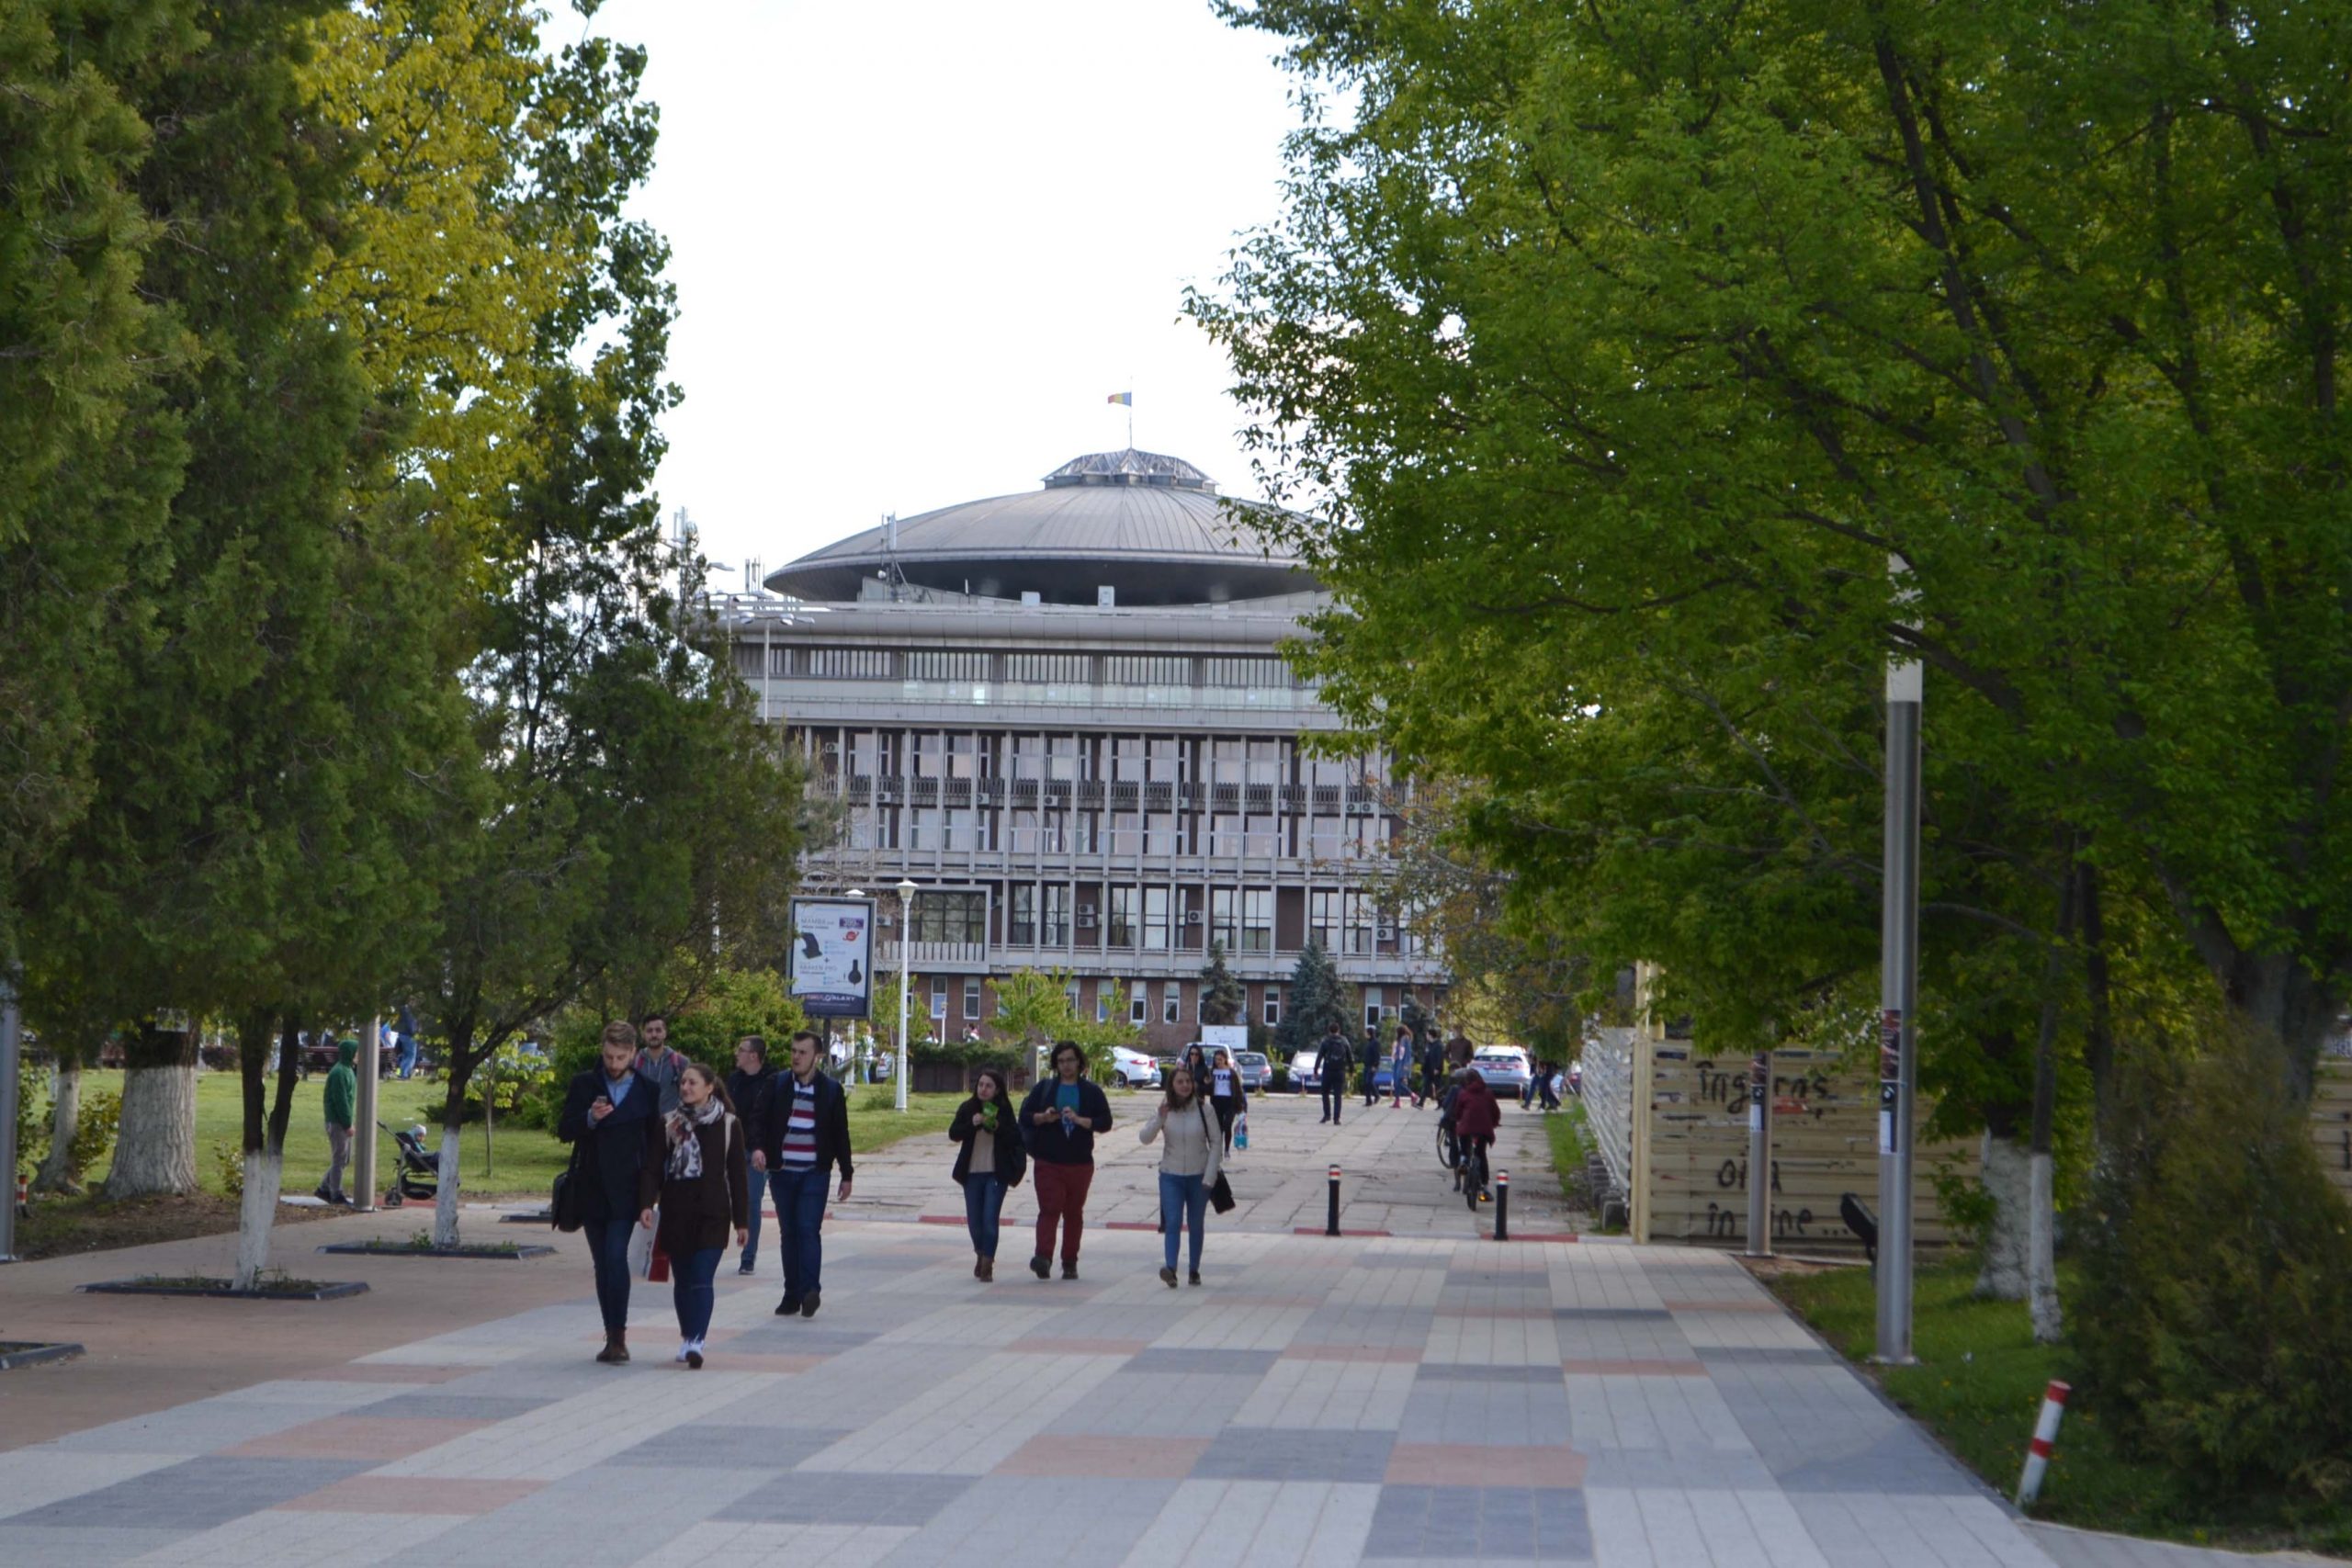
685, 1143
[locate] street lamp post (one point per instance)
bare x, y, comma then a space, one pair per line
1898, 995
906, 949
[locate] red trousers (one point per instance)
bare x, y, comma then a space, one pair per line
1061, 1196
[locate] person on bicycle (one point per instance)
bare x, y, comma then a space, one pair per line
1477, 1115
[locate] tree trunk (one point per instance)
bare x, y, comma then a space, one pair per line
2041, 1254
465, 1057
2003, 1273
2049, 1324
154, 1151
57, 1173
444, 1208
257, 1211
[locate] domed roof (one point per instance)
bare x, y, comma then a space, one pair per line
1148, 526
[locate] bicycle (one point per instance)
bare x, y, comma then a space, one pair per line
1474, 1173
1447, 1154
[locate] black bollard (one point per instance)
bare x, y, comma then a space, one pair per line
1331, 1220
1502, 1205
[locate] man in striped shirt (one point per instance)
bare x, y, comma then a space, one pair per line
806, 1135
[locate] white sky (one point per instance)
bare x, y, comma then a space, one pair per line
918, 244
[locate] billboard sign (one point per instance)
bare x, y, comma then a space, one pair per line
831, 970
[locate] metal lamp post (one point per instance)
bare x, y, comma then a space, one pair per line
1898, 995
906, 951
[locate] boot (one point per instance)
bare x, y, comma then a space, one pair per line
615, 1349
988, 1269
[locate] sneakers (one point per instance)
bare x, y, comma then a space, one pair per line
1042, 1267
685, 1347
1191, 1279
788, 1307
1168, 1278
1069, 1270
810, 1303
745, 1267
323, 1195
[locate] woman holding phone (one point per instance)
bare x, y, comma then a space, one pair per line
699, 1189
1190, 1155
989, 1161
1060, 1118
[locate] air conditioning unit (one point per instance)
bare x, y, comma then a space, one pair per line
1086, 912
1086, 919
1384, 933
1191, 917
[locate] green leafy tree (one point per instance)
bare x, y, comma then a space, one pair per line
1315, 1001
1632, 349
1222, 997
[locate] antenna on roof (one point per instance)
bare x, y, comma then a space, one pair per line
891, 571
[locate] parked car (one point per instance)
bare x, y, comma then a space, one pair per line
1132, 1069
1303, 1075
1257, 1072
1505, 1069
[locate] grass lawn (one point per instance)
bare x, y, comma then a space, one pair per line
513, 1161
1978, 1385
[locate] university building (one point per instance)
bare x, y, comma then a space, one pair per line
1063, 716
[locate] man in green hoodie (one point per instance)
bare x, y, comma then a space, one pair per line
343, 1099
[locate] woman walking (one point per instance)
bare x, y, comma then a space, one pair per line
1190, 1158
1227, 1098
989, 1161
701, 1192
1062, 1116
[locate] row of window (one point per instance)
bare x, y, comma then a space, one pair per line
1170, 997
1022, 831
1074, 758
1148, 918
1257, 672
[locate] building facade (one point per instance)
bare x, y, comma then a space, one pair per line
1065, 717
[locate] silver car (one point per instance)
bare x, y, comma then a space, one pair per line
1506, 1072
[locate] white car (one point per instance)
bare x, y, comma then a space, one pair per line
1504, 1068
1132, 1069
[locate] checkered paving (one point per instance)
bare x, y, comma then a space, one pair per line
1387, 1401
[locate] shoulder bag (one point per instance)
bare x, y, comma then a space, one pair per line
563, 1201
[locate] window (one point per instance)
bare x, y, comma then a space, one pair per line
1056, 923
1065, 759
1258, 919
1126, 833
963, 757
1069, 995
1127, 759
925, 827
939, 998
1102, 1001
1225, 836
1145, 670
1167, 762
971, 1000
1371, 1009
1163, 833
1020, 919
1362, 916
1155, 920
1171, 1002
850, 663
1024, 832
1323, 918
1119, 929
939, 665
1247, 672
963, 828
1138, 1001
1061, 669
1274, 1006
1225, 917
951, 915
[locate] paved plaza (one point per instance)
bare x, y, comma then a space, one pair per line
1426, 1395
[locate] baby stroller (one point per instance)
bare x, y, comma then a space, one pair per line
418, 1173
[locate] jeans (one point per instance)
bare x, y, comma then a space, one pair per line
338, 1155
1061, 1197
690, 1291
983, 1206
608, 1248
1335, 1092
407, 1055
758, 1182
1188, 1196
799, 1226
1226, 1110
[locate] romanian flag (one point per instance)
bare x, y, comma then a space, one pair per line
1126, 397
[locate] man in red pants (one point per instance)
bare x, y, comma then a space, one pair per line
1060, 1118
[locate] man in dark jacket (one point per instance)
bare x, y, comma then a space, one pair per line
1060, 1118
613, 1112
1332, 1059
343, 1094
1433, 1066
804, 1135
752, 1086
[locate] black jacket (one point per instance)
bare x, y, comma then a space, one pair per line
1007, 1157
832, 1123
754, 1094
1052, 1143
1333, 1052
615, 1153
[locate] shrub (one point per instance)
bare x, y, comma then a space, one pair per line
2216, 1316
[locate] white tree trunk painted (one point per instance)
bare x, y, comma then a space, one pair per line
445, 1209
155, 1149
257, 1211
57, 1173
2043, 1249
2008, 1184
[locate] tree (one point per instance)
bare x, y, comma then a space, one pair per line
1314, 1002
1222, 998
1632, 349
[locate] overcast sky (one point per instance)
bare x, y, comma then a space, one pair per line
918, 244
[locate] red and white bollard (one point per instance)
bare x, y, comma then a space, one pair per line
2045, 1442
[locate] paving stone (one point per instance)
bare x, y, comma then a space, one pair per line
1288, 1453
1480, 1524
194, 1496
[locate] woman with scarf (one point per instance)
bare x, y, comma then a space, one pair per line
990, 1160
700, 1193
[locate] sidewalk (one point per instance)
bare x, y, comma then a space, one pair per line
1431, 1396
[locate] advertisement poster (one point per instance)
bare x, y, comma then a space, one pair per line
832, 956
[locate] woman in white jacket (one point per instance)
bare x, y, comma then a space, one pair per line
1191, 1153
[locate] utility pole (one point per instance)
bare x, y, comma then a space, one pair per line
1898, 995
11, 1054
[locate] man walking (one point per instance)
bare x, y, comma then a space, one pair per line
611, 1112
805, 1137
1458, 1051
343, 1098
752, 1086
1434, 1066
1060, 1118
1371, 1059
1332, 1060
657, 1061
